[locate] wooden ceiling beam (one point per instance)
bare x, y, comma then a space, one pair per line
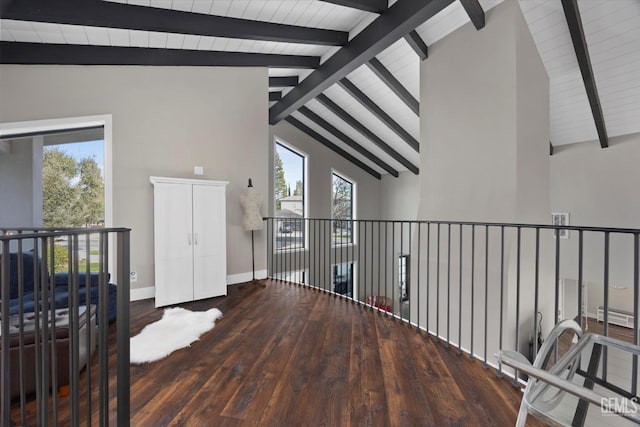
572, 14
98, 13
324, 141
367, 103
319, 121
285, 81
366, 132
396, 22
417, 44
475, 12
68, 54
374, 6
392, 83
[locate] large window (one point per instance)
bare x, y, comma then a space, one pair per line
342, 210
289, 170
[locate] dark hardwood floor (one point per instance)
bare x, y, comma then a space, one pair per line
285, 355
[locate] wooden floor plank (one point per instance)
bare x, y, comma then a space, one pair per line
289, 355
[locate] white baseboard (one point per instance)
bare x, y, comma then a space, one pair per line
233, 279
142, 293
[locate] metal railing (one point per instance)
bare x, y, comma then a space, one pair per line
476, 287
56, 306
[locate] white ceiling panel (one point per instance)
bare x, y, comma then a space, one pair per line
337, 142
20, 31
308, 13
98, 36
613, 36
73, 34
364, 142
384, 97
51, 33
404, 64
139, 38
449, 19
360, 113
612, 32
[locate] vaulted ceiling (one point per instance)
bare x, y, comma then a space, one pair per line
346, 72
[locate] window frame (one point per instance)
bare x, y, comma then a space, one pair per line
305, 158
354, 184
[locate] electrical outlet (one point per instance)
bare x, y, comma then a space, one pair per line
133, 276
198, 170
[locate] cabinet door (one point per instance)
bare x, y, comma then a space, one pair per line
173, 243
210, 248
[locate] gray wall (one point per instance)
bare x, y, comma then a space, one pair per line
599, 187
20, 184
400, 196
484, 151
166, 120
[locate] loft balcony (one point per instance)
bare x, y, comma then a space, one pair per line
368, 322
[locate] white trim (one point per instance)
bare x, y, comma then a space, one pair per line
138, 294
31, 126
234, 279
104, 120
167, 180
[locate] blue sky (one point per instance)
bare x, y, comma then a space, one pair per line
292, 164
81, 150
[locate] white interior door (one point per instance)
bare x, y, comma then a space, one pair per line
210, 251
174, 242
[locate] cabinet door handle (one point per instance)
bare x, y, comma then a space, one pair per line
195, 238
189, 238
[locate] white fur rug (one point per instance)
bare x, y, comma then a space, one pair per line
177, 329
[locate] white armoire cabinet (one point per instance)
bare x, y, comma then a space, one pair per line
189, 239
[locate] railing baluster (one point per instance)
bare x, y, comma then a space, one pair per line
605, 325
418, 279
386, 262
6, 366
517, 345
486, 292
44, 306
473, 273
21, 363
460, 296
379, 257
103, 361
408, 277
580, 278
74, 325
398, 288
636, 284
448, 283
501, 293
438, 285
123, 296
54, 356
536, 287
88, 336
556, 315
393, 270
428, 277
